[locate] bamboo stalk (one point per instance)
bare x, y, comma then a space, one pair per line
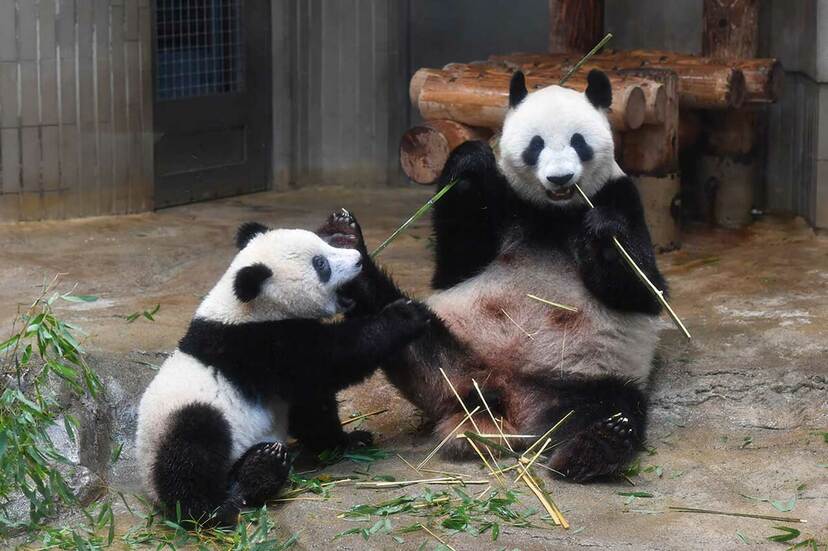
725, 513
363, 416
550, 431
540, 451
446, 439
413, 218
657, 293
413, 468
438, 538
505, 313
463, 405
584, 59
483, 399
403, 483
555, 304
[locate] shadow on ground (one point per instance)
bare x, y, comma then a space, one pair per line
738, 411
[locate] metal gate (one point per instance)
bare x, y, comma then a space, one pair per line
212, 75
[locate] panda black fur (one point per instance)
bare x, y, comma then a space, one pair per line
514, 227
256, 364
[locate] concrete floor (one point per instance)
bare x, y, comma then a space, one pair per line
736, 412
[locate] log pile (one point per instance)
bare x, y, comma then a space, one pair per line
469, 101
649, 90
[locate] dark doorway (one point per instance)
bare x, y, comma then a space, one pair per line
212, 68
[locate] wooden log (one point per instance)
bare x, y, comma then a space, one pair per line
653, 149
655, 99
764, 77
425, 148
730, 182
480, 97
730, 28
659, 196
703, 83
575, 25
731, 132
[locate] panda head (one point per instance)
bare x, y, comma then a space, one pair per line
556, 137
281, 274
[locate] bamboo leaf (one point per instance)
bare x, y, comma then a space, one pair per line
787, 534
79, 298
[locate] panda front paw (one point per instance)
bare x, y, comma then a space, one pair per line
407, 316
342, 230
603, 223
601, 449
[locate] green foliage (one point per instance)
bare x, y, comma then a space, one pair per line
365, 455
41, 351
147, 314
451, 512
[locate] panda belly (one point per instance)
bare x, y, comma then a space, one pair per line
513, 333
183, 380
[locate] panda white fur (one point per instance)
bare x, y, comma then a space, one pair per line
516, 226
257, 364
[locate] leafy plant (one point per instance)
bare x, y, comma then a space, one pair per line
41, 351
452, 512
147, 314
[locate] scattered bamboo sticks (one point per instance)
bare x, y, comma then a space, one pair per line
657, 293
445, 480
725, 513
363, 416
413, 218
555, 304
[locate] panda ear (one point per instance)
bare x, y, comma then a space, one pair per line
249, 280
599, 89
517, 89
248, 231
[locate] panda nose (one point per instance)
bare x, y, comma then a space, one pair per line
560, 180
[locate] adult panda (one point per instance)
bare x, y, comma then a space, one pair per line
516, 226
255, 365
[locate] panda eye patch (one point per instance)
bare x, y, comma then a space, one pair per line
533, 151
582, 148
322, 267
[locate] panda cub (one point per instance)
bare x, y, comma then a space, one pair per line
257, 364
516, 226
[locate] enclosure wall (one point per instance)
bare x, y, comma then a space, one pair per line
75, 108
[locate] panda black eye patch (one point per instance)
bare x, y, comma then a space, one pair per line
582, 148
533, 151
322, 267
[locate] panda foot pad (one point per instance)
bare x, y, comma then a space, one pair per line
341, 230
601, 449
262, 472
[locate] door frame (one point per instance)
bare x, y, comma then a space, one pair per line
258, 73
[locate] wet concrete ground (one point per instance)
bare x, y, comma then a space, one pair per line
738, 411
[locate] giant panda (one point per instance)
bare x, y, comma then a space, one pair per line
512, 226
257, 364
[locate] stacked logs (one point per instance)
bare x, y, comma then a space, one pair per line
462, 102
469, 101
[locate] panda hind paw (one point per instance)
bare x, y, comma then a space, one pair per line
602, 449
262, 472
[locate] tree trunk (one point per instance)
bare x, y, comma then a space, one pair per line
575, 25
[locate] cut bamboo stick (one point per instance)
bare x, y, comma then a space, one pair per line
657, 293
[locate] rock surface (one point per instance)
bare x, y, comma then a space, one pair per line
738, 411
